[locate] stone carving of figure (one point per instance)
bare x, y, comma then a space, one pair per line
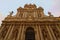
50, 15
11, 13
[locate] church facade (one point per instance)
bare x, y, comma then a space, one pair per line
30, 23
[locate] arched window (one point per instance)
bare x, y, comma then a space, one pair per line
30, 34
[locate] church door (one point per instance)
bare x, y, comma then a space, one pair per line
30, 34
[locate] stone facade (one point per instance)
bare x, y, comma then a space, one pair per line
30, 23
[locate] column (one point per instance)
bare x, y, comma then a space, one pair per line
41, 33
2, 27
59, 31
49, 32
8, 32
19, 34
22, 34
58, 28
37, 34
52, 32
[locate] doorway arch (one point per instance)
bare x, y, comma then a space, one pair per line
29, 34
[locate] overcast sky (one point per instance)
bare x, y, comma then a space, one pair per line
11, 5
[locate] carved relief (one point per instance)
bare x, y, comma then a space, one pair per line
56, 32
4, 31
15, 32
45, 33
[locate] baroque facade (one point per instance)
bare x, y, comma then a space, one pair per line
30, 23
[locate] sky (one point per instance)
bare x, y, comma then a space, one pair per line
7, 6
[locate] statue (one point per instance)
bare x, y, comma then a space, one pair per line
50, 15
11, 13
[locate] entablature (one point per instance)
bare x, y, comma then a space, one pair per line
31, 19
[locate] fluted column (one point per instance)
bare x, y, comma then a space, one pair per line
52, 32
41, 33
8, 32
49, 32
19, 34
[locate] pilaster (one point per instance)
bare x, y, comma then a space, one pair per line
22, 34
37, 34
49, 32
58, 34
41, 33
10, 33
58, 28
19, 34
2, 27
52, 32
